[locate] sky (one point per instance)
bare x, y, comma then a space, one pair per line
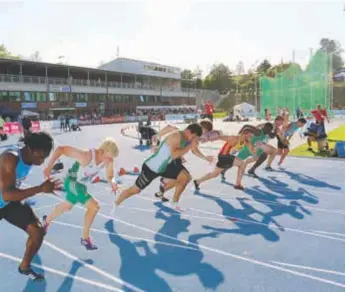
182, 33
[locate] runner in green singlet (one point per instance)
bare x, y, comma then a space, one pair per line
173, 147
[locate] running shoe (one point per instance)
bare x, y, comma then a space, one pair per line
32, 275
88, 244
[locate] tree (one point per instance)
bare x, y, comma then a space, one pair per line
219, 78
4, 53
36, 56
333, 47
263, 67
294, 68
186, 78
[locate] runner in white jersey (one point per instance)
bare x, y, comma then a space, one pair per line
173, 147
84, 170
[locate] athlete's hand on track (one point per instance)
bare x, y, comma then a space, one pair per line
50, 186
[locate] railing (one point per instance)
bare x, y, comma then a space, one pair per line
92, 83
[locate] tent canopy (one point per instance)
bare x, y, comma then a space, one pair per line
244, 109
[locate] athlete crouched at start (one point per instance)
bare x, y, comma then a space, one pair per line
88, 163
15, 165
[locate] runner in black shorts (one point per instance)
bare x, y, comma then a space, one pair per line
15, 165
226, 160
173, 147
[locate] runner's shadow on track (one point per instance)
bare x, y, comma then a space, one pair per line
135, 268
308, 180
142, 148
188, 260
286, 192
241, 218
32, 286
67, 284
183, 259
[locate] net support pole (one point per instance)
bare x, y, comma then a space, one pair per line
331, 82
294, 83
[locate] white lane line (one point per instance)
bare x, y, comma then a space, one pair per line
92, 267
44, 207
310, 268
253, 261
64, 274
270, 225
268, 202
200, 246
125, 235
331, 233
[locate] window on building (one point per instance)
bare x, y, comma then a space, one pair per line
4, 96
14, 96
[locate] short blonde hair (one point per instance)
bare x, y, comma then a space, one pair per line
109, 145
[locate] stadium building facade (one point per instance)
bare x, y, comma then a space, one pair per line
115, 88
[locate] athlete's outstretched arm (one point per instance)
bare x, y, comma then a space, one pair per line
68, 151
197, 152
10, 192
110, 171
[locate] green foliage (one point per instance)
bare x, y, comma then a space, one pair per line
219, 78
263, 67
4, 53
333, 47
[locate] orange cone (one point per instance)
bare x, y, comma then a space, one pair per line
136, 169
122, 171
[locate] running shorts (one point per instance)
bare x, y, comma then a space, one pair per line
225, 161
19, 214
76, 192
281, 145
174, 168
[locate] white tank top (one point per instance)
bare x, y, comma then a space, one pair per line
87, 173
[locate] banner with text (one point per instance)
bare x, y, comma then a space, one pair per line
135, 118
182, 117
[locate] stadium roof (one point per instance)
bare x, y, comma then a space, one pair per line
139, 67
99, 70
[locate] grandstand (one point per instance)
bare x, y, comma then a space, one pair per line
115, 88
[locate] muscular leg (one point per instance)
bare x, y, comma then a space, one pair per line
92, 208
125, 194
241, 169
59, 209
33, 244
258, 162
182, 180
217, 171
284, 153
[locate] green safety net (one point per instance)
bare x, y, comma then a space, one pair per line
294, 88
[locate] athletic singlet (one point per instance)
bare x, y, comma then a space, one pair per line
163, 156
22, 170
292, 129
228, 148
86, 173
261, 138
